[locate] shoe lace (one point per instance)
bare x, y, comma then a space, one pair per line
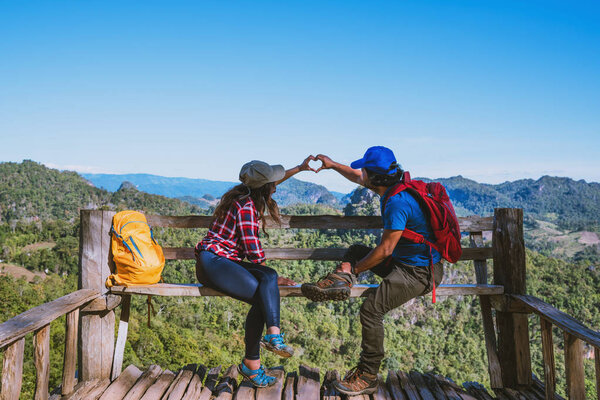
353, 375
277, 340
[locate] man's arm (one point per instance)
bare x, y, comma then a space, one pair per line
384, 249
353, 175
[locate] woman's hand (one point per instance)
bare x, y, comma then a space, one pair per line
282, 281
304, 166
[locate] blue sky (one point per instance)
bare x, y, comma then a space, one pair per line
491, 90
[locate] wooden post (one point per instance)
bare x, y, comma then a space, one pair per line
70, 358
486, 314
574, 367
509, 271
597, 362
548, 352
41, 344
97, 328
12, 371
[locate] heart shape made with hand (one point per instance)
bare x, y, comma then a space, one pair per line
315, 165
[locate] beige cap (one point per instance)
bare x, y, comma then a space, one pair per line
255, 174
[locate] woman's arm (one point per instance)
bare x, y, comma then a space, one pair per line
293, 171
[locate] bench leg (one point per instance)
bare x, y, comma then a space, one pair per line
121, 337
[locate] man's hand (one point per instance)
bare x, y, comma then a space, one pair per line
281, 281
327, 162
344, 267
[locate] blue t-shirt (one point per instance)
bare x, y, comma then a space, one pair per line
402, 212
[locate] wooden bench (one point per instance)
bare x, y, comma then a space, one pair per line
474, 226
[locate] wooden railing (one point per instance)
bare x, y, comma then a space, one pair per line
575, 335
37, 320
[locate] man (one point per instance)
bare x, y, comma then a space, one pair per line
404, 266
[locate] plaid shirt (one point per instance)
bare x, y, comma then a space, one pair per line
236, 236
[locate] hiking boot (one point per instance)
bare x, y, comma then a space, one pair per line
276, 344
357, 382
335, 286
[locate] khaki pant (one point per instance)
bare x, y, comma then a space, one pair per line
400, 283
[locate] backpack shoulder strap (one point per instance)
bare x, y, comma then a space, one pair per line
400, 187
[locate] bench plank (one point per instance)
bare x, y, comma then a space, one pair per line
197, 290
37, 317
322, 254
471, 223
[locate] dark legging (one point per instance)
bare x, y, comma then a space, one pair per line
251, 283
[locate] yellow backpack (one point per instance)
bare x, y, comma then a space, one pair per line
138, 258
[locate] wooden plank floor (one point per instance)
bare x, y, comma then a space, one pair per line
200, 382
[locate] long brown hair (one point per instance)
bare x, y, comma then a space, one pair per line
260, 196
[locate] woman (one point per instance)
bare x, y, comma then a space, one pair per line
233, 236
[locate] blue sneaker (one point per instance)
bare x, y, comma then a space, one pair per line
276, 344
260, 378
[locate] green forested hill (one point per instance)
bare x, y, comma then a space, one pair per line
31, 192
570, 204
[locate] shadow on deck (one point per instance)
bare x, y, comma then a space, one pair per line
198, 382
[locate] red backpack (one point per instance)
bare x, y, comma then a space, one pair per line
439, 212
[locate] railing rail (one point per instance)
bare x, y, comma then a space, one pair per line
473, 223
575, 334
37, 320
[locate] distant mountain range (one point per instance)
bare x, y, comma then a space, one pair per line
30, 190
195, 191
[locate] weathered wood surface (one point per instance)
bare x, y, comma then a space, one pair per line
96, 329
481, 276
180, 383
37, 317
246, 391
143, 383
89, 390
472, 223
328, 391
509, 271
41, 355
227, 384
308, 386
290, 386
398, 386
575, 373
210, 383
548, 355
70, 357
159, 387
322, 254
103, 303
120, 386
195, 387
12, 370
195, 290
560, 319
117, 362
275, 391
597, 363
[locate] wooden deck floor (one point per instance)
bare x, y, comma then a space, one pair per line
198, 382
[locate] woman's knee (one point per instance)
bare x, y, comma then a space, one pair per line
268, 275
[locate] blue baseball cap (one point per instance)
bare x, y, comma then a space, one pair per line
378, 159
